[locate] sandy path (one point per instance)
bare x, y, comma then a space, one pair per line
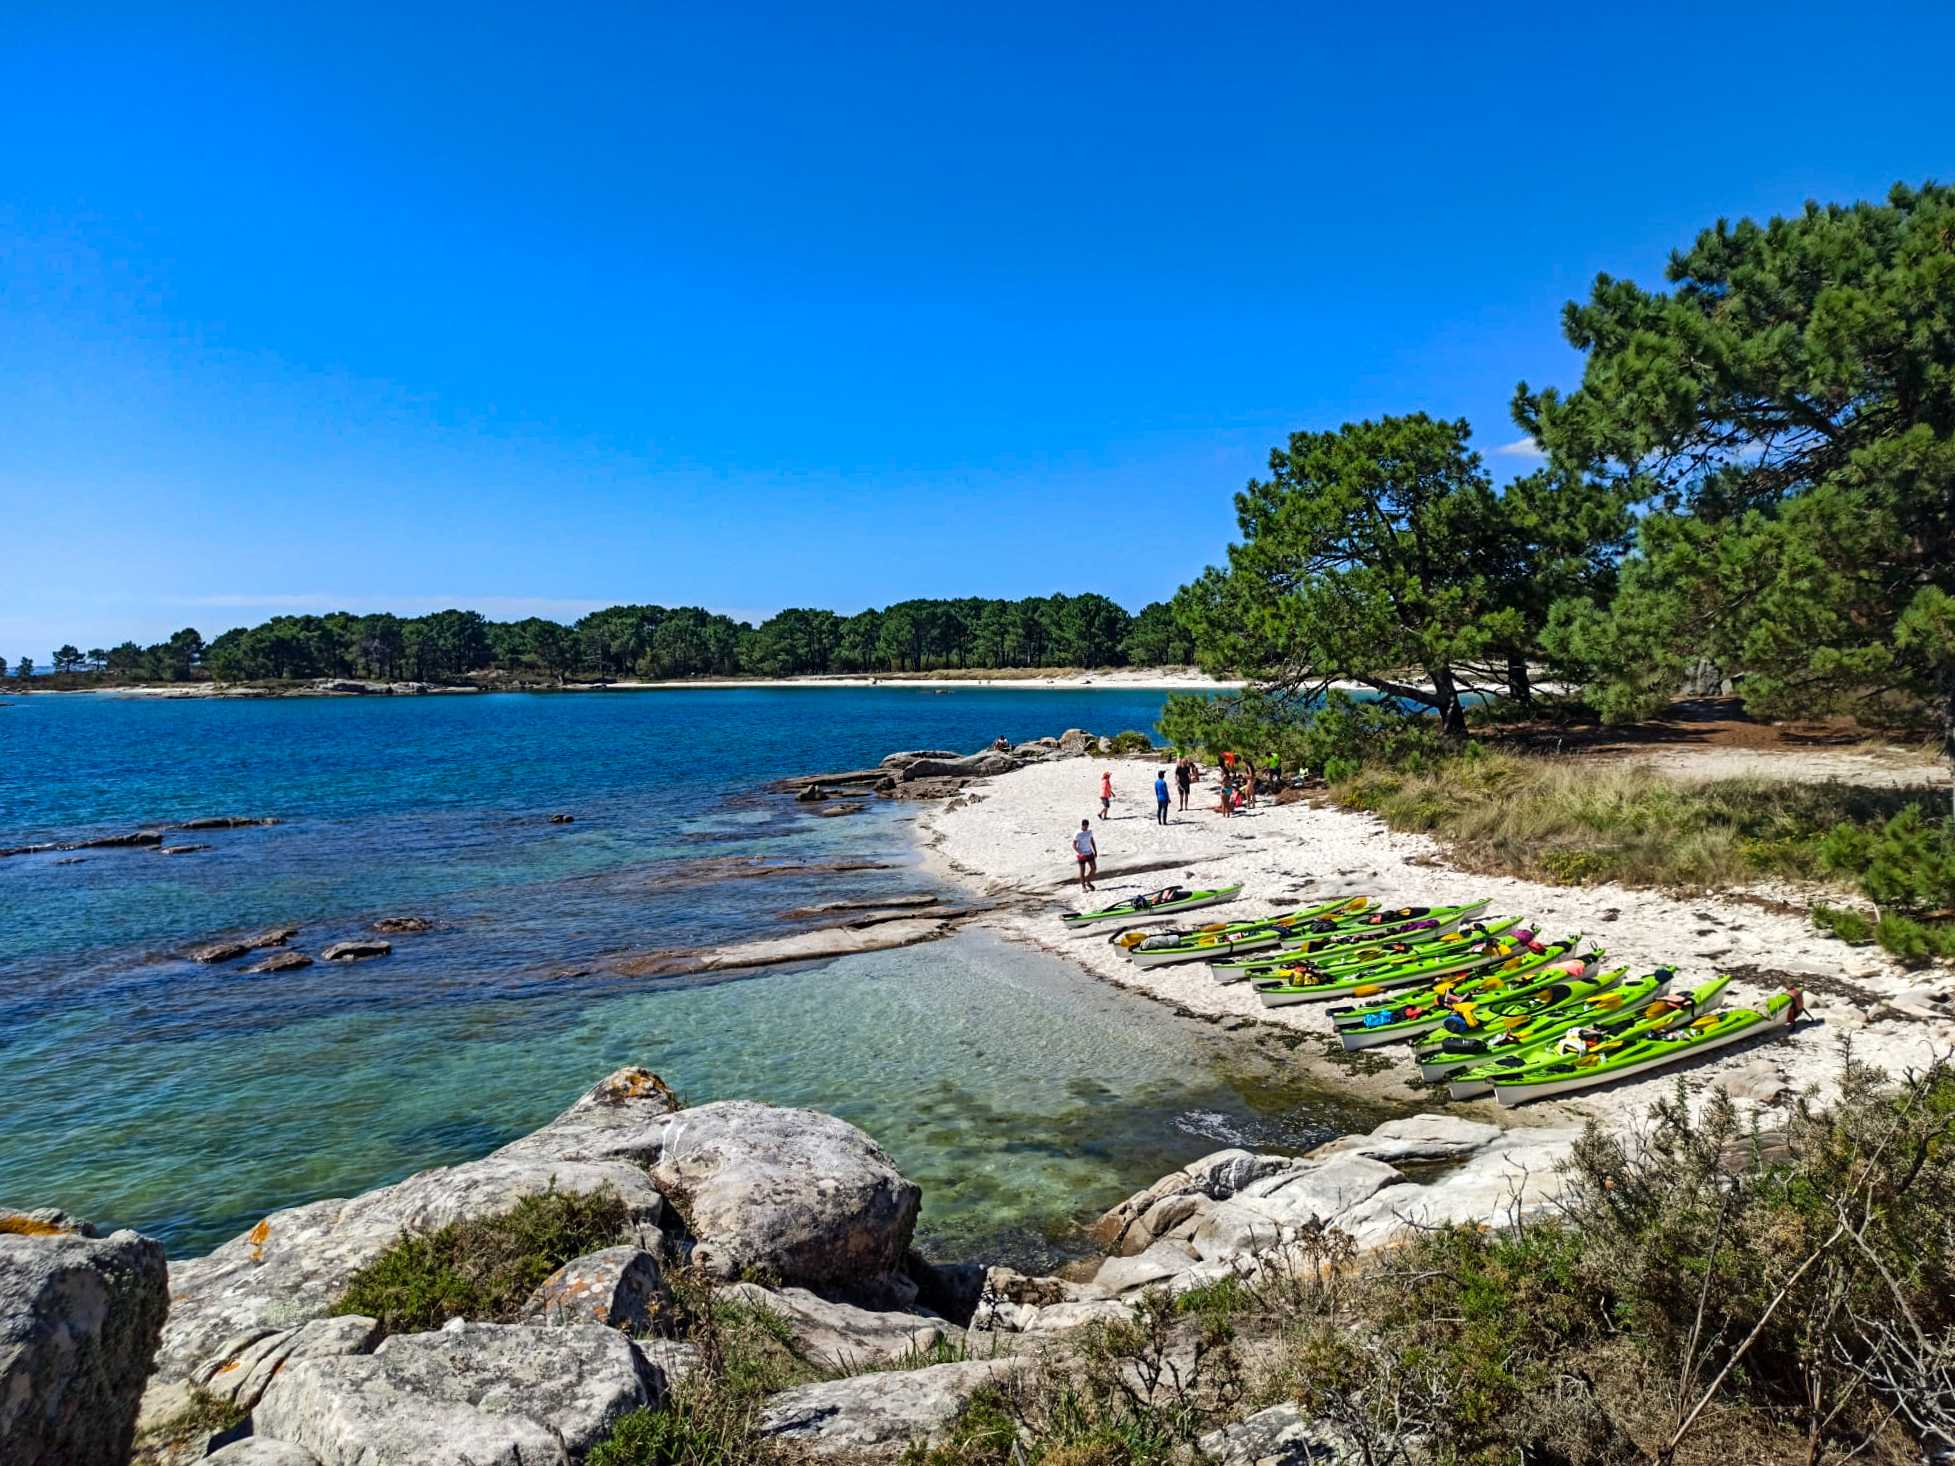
1011, 837
1895, 768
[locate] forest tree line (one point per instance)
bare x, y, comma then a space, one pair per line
652, 642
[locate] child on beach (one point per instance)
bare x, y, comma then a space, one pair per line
1087, 853
1161, 796
1106, 792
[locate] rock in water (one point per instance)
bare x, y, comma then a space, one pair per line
281, 962
398, 925
469, 1394
800, 1195
79, 1323
220, 952
355, 951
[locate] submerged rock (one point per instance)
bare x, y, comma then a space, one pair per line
220, 951
231, 948
359, 950
468, 1394
400, 925
180, 849
280, 962
79, 1322
799, 1195
223, 822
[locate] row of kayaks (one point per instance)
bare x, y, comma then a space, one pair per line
1490, 1006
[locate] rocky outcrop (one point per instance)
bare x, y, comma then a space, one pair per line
470, 1394
359, 950
972, 766
393, 926
1075, 743
877, 1416
619, 1288
294, 1264
79, 1321
799, 1195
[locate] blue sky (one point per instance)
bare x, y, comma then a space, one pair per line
535, 309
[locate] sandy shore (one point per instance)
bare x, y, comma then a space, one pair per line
1009, 839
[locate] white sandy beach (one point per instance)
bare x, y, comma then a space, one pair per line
1009, 838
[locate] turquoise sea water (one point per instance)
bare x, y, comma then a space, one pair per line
139, 1088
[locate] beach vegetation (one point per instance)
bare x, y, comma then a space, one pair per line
483, 1269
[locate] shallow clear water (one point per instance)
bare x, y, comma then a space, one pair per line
139, 1088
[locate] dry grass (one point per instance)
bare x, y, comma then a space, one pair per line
1572, 821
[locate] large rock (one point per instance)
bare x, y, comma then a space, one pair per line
243, 1370
79, 1322
293, 1265
877, 1416
1274, 1210
1173, 1205
1163, 1260
360, 949
1515, 1177
1074, 743
472, 1394
257, 1451
840, 1336
801, 1196
619, 1288
904, 760
972, 766
1416, 1139
280, 962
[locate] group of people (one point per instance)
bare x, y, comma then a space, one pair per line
1237, 791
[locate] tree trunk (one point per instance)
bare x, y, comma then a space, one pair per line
1452, 717
1518, 687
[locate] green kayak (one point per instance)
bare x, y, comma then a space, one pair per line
1519, 978
1165, 947
1323, 943
1632, 1055
1283, 922
1660, 1012
1467, 950
1453, 1052
1155, 903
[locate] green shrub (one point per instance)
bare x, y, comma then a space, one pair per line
1849, 926
1128, 742
484, 1269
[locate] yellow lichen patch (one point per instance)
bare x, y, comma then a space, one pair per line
256, 1237
631, 1084
226, 1367
20, 1226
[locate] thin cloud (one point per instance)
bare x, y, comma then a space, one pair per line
1520, 448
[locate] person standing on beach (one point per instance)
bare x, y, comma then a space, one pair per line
1184, 780
1228, 798
1161, 796
1106, 792
1086, 852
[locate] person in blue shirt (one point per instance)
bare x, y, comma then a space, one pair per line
1161, 796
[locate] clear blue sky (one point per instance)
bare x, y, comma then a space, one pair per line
535, 308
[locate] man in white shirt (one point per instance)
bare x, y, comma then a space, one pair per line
1087, 852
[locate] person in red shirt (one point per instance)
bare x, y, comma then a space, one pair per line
1106, 792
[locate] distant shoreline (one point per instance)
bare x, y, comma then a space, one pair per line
1128, 679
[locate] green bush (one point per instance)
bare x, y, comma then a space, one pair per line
1906, 867
483, 1269
1128, 742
